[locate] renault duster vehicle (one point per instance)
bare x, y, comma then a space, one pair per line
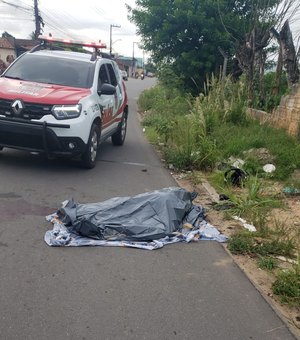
62, 103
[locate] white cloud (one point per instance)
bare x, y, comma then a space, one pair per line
87, 20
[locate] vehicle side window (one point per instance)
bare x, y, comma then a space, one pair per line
103, 76
112, 75
117, 72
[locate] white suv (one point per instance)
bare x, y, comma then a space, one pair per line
62, 103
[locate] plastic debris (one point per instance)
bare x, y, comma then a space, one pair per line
235, 176
269, 168
246, 225
285, 259
291, 191
236, 162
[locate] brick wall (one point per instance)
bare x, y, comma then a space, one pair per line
286, 115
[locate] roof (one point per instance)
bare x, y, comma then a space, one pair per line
12, 43
125, 58
5, 43
26, 43
128, 61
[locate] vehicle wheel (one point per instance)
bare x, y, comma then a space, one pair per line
1, 148
118, 137
89, 157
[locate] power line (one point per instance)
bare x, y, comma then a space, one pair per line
16, 6
49, 21
15, 19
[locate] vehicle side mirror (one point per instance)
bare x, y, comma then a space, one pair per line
106, 89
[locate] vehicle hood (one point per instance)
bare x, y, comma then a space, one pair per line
41, 93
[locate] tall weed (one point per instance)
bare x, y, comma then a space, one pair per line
287, 286
251, 204
189, 146
200, 131
148, 98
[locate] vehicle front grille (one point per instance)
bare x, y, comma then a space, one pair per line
30, 110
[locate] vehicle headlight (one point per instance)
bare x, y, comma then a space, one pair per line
66, 111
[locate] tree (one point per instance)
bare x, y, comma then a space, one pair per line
287, 55
198, 37
249, 24
6, 35
150, 66
183, 33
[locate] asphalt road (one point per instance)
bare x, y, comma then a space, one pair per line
182, 291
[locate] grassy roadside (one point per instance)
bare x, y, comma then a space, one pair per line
208, 134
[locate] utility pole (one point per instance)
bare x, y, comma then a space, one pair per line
38, 19
110, 37
133, 61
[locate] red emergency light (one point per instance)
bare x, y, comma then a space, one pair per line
73, 42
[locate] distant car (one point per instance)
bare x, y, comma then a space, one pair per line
62, 103
124, 75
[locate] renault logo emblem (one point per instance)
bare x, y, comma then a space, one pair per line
17, 106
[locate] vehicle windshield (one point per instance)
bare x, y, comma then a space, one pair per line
59, 71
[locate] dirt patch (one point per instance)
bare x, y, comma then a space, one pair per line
261, 279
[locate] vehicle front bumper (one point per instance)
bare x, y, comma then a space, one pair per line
38, 137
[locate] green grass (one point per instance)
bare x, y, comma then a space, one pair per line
267, 263
249, 201
247, 243
199, 133
287, 286
232, 140
241, 243
274, 247
152, 135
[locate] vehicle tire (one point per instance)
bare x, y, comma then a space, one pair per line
118, 137
89, 157
1, 148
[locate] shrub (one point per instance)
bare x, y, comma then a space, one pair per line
287, 286
273, 92
241, 244
148, 98
274, 247
267, 263
212, 127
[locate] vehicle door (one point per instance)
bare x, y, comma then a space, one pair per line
106, 102
116, 81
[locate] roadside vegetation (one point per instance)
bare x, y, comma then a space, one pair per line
206, 134
212, 58
198, 132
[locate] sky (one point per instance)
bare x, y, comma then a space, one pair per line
83, 20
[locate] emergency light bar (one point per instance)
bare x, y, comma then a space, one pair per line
72, 42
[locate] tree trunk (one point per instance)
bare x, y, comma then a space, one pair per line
278, 70
279, 65
251, 57
225, 62
244, 54
289, 54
